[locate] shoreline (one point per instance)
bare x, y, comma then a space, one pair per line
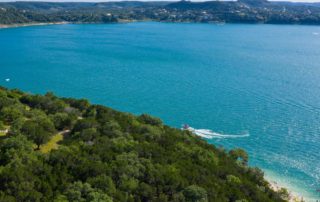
293, 196
5, 26
276, 183
17, 25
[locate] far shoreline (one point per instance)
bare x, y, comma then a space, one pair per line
17, 25
6, 26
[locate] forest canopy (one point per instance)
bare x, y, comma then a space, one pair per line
94, 153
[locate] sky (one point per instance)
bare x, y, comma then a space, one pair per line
141, 0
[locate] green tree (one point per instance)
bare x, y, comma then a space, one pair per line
241, 155
147, 119
104, 183
78, 192
18, 180
195, 193
35, 132
62, 120
284, 194
14, 147
10, 114
233, 180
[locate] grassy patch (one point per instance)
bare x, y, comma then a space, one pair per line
4, 131
52, 144
2, 134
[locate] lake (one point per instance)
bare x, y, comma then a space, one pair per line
255, 86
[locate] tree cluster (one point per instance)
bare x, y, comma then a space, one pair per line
114, 156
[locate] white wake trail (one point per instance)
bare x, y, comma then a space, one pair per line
209, 134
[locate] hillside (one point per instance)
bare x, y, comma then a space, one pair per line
64, 149
242, 11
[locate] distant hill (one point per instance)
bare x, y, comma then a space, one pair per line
242, 11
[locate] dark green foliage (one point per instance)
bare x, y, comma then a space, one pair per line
10, 113
114, 156
15, 147
62, 120
240, 154
83, 192
81, 104
35, 132
2, 127
194, 193
48, 103
147, 119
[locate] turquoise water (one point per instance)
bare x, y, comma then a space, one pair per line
260, 80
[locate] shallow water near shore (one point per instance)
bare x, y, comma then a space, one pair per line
258, 82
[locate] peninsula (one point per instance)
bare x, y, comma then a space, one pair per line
65, 149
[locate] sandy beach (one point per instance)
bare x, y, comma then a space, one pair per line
293, 197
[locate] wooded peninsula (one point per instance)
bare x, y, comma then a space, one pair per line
65, 149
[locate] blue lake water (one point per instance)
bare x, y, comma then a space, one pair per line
261, 80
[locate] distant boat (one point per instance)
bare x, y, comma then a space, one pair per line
7, 80
202, 132
185, 127
209, 134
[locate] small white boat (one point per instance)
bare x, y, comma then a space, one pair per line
202, 132
209, 134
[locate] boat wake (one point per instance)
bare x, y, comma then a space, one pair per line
209, 134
